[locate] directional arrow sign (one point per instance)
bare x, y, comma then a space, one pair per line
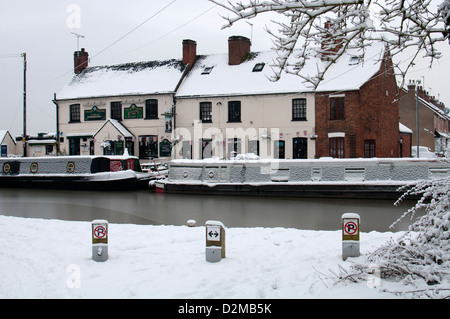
213, 233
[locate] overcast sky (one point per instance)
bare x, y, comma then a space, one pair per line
43, 29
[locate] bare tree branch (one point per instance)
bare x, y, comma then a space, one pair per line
351, 24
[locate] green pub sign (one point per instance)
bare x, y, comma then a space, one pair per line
133, 112
95, 114
165, 148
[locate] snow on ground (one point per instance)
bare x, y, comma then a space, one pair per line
53, 259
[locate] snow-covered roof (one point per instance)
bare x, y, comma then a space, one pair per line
213, 76
352, 71
404, 129
153, 77
119, 127
3, 134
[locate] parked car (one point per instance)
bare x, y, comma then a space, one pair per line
424, 152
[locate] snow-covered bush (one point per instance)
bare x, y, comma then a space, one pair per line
421, 257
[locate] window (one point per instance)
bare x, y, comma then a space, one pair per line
206, 112
74, 113
234, 111
259, 67
148, 146
234, 145
337, 147
187, 150
207, 70
369, 148
253, 147
48, 149
337, 108
113, 148
116, 111
151, 109
299, 109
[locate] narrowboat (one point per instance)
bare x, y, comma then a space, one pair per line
74, 173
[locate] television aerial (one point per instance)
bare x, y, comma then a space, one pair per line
78, 39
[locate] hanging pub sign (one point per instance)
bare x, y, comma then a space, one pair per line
133, 112
95, 114
168, 122
165, 148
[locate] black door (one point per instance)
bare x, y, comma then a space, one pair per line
300, 148
74, 147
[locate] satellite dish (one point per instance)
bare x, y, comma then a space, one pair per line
446, 111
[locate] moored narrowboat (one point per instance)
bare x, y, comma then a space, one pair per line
74, 172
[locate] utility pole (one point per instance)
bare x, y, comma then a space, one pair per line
417, 117
24, 55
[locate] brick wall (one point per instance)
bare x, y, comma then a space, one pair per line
370, 113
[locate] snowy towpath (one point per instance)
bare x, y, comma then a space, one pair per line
52, 259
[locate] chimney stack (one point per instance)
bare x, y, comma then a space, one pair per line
330, 45
81, 60
189, 52
238, 49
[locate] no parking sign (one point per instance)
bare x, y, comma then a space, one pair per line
350, 226
99, 232
350, 235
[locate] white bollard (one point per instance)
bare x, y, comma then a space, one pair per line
350, 235
215, 241
100, 240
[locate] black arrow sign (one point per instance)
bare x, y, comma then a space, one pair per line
215, 234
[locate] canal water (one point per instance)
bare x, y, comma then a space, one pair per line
144, 207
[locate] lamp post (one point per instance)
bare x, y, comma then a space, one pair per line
24, 55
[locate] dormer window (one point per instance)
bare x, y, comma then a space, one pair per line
207, 70
354, 60
259, 67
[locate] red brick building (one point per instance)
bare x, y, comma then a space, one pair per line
359, 117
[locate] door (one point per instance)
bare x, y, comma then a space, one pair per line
300, 148
206, 148
279, 149
74, 148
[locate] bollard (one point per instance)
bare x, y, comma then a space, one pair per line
350, 235
215, 241
99, 240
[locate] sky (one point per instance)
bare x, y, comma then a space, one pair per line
118, 32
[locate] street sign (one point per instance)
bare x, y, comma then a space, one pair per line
350, 235
99, 232
100, 240
215, 240
213, 233
350, 226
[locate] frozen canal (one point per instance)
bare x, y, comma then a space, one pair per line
144, 207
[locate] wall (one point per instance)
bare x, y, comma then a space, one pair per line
261, 116
137, 127
370, 113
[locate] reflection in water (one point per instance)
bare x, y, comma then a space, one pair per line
143, 207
